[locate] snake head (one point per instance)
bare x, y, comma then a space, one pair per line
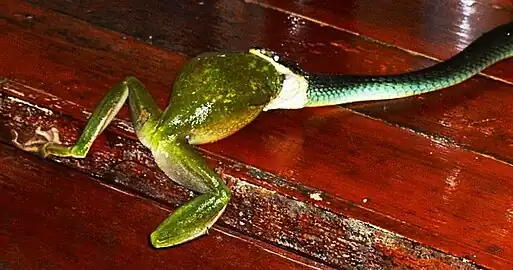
278, 61
270, 55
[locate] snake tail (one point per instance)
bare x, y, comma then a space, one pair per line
333, 89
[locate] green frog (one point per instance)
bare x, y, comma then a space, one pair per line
217, 94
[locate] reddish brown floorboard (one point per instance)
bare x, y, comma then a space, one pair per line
460, 115
439, 174
76, 222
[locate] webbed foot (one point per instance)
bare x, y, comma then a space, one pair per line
40, 142
191, 220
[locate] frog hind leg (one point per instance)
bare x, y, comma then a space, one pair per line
175, 157
180, 161
144, 111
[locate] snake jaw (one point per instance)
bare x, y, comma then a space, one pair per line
293, 93
39, 142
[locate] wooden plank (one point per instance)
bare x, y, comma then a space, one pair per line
56, 218
256, 208
475, 115
436, 29
444, 28
110, 163
286, 141
469, 115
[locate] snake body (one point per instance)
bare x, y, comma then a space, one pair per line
332, 89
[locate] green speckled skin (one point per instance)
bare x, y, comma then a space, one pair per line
217, 94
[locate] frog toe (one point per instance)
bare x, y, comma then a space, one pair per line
39, 142
190, 220
43, 143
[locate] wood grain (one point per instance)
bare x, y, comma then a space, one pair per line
429, 168
77, 222
435, 29
459, 114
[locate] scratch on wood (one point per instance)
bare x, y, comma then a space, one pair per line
32, 105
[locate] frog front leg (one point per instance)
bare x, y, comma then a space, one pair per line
144, 111
172, 154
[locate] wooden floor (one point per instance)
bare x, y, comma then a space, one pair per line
420, 183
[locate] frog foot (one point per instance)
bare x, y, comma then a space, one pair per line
39, 142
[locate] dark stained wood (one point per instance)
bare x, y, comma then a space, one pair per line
458, 115
110, 163
78, 222
419, 184
435, 29
256, 208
